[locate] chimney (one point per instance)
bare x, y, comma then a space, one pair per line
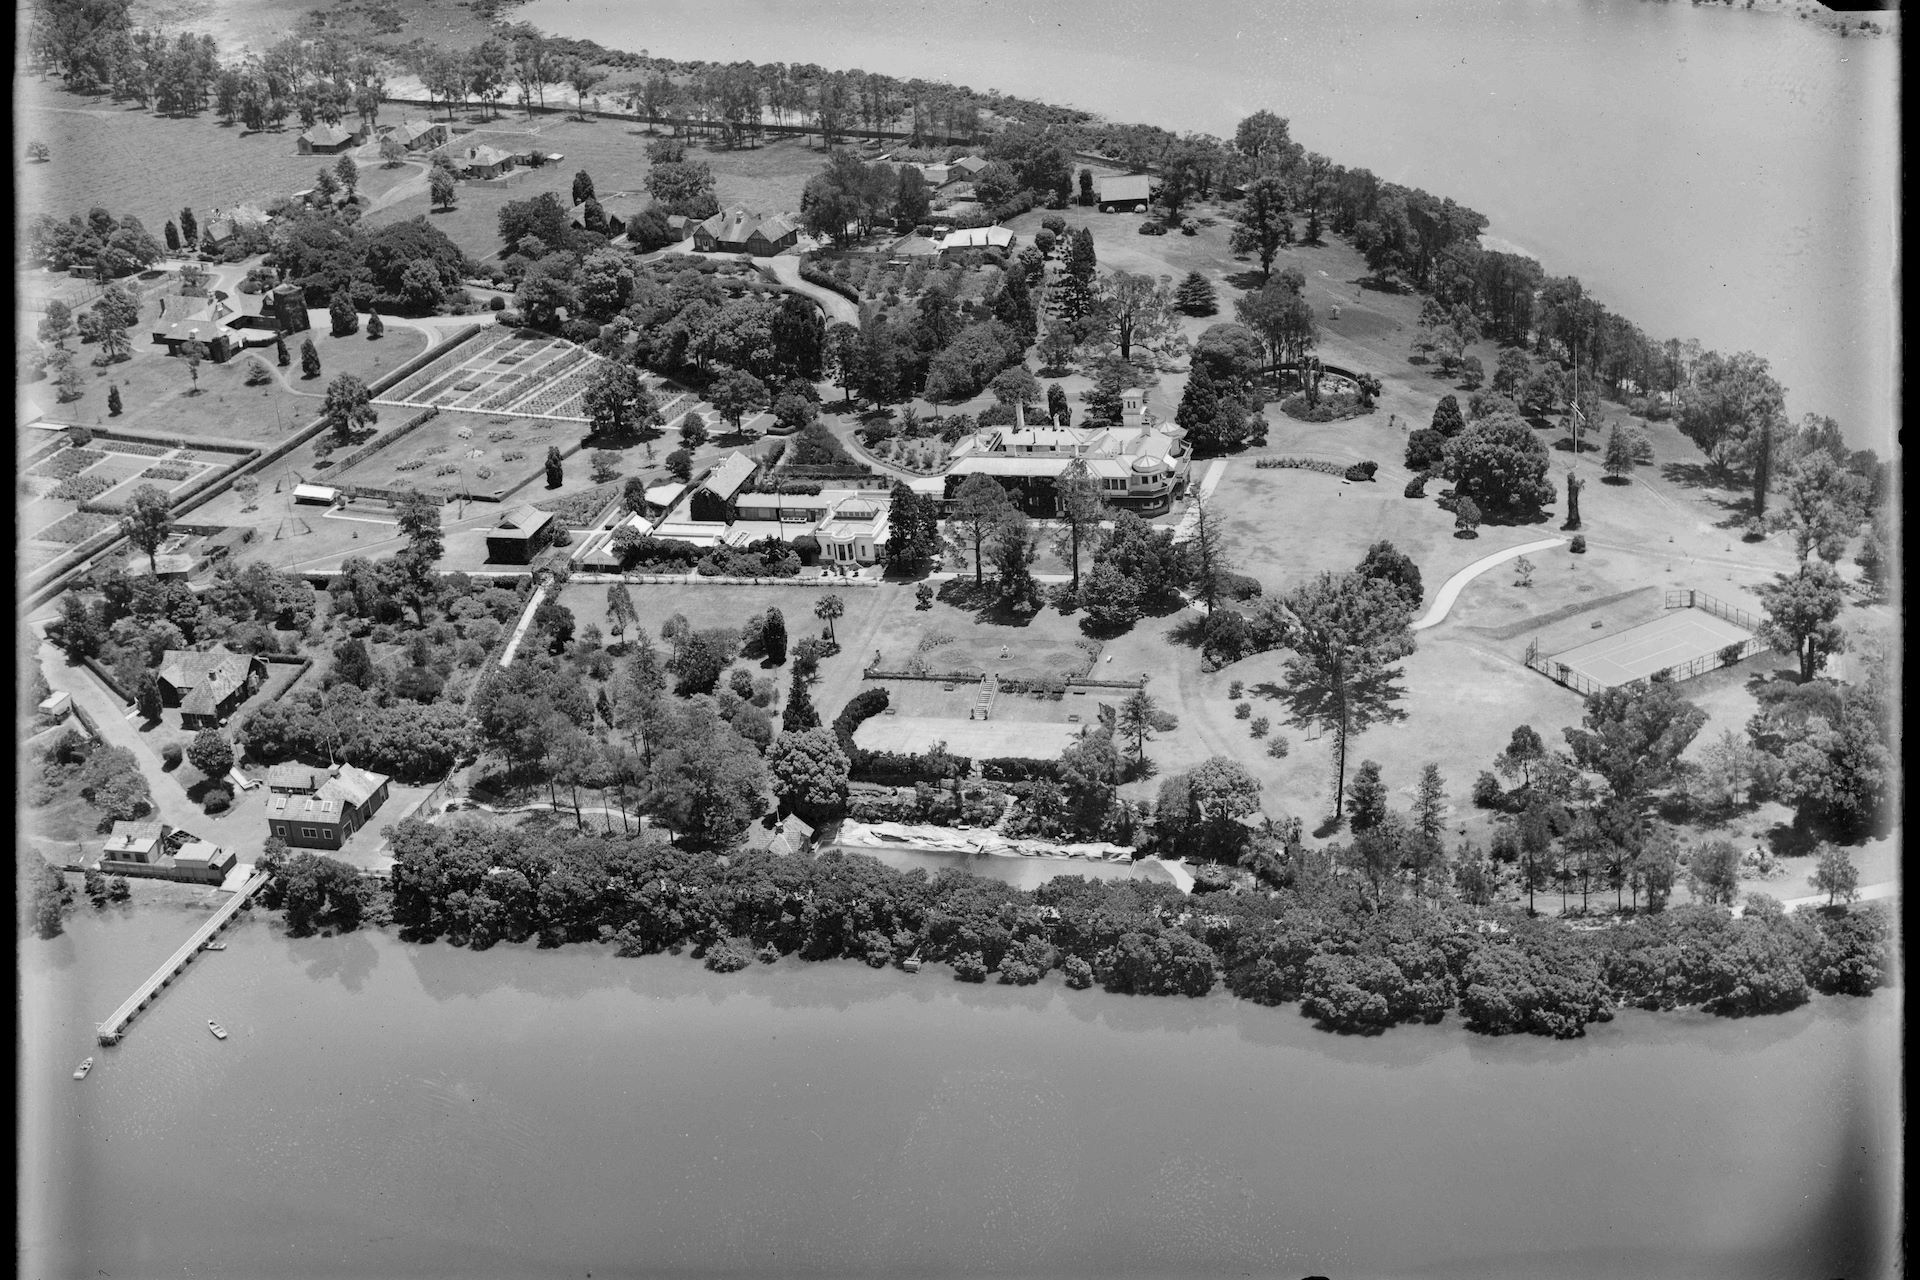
1019, 416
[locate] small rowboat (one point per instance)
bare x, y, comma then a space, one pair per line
80, 1072
214, 946
219, 1032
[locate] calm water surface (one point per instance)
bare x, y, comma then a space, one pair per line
391, 1110
1708, 173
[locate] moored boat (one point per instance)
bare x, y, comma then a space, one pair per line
215, 945
911, 964
219, 1032
80, 1072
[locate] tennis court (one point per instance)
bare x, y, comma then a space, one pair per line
1636, 653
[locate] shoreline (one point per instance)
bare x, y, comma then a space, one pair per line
236, 24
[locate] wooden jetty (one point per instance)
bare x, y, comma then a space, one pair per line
111, 1030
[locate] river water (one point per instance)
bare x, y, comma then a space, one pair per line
391, 1110
1709, 173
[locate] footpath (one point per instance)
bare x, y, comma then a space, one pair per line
1451, 589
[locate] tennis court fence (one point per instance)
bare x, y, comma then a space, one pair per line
1725, 656
1688, 598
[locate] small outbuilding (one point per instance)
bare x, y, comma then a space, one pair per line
330, 139
324, 494
142, 843
1124, 191
977, 238
202, 862
521, 534
485, 162
418, 135
660, 497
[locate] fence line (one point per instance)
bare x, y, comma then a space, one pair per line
1688, 598
1562, 674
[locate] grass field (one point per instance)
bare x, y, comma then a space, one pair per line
870, 611
130, 161
610, 151
1048, 647
767, 178
158, 395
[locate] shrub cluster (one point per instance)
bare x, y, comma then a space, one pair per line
766, 558
900, 768
1304, 464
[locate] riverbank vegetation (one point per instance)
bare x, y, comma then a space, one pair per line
1350, 963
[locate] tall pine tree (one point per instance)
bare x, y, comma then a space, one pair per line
1195, 295
799, 715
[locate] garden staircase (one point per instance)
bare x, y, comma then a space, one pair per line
983, 705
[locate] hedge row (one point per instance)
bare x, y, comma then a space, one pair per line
374, 446
813, 275
1304, 464
899, 769
860, 708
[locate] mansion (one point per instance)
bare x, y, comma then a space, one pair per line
1140, 465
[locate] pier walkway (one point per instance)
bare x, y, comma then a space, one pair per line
111, 1029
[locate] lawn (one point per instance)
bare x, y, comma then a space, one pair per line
768, 178
870, 613
611, 151
157, 392
128, 160
1049, 647
61, 830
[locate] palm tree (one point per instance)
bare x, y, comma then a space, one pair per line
829, 608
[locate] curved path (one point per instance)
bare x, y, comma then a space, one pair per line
786, 269
1450, 590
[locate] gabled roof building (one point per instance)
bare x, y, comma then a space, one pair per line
738, 231
208, 687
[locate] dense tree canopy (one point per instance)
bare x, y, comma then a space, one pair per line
1500, 464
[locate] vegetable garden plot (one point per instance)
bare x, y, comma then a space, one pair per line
68, 462
76, 526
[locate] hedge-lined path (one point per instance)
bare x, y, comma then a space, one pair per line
786, 269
